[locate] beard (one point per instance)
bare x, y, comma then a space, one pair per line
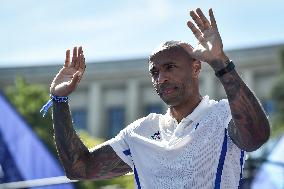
172, 94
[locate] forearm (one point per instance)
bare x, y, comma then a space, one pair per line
251, 127
78, 162
70, 148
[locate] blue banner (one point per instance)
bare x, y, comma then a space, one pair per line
22, 155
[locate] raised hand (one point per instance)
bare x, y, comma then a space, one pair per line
210, 45
68, 78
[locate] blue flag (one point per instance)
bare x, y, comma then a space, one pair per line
22, 154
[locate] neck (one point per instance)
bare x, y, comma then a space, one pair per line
184, 109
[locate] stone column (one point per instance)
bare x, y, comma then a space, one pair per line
209, 85
247, 76
95, 111
132, 101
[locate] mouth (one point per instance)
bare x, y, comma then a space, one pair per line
168, 91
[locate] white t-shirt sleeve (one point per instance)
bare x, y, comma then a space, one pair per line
120, 146
120, 142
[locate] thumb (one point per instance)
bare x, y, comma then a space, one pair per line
195, 54
189, 49
75, 80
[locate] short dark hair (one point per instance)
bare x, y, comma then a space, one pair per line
169, 45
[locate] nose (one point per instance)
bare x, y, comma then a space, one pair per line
162, 78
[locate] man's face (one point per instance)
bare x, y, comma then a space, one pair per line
171, 72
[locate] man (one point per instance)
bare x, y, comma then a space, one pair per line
198, 143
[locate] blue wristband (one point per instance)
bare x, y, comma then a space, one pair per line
49, 103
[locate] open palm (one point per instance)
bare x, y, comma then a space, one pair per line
210, 45
68, 78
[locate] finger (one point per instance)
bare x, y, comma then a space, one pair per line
80, 51
75, 80
67, 59
195, 31
197, 20
79, 58
197, 55
82, 60
204, 20
74, 57
212, 19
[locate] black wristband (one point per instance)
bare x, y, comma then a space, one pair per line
225, 70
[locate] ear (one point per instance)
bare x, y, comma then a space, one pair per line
196, 68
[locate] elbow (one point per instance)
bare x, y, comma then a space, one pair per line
71, 176
76, 175
257, 139
75, 172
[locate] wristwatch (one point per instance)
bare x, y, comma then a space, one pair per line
230, 66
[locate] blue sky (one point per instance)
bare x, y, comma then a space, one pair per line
38, 32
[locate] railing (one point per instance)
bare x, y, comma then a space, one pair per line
252, 166
37, 182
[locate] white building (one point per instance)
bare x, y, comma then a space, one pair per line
112, 94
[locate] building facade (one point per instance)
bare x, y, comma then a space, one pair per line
113, 94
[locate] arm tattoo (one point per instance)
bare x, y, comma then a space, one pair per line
249, 128
77, 161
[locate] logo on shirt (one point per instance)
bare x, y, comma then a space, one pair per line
156, 136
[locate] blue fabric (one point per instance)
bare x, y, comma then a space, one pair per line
137, 178
241, 163
221, 162
8, 169
45, 107
49, 103
196, 126
30, 156
128, 153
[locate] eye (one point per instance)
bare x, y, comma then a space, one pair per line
170, 66
154, 73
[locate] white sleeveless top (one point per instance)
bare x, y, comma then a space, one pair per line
197, 153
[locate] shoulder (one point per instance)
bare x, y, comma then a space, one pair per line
149, 121
221, 110
222, 106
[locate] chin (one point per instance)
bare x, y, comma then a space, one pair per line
172, 102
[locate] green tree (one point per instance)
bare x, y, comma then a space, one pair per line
28, 99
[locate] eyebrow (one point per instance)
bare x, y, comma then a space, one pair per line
163, 64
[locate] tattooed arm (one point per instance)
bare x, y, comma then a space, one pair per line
78, 162
249, 128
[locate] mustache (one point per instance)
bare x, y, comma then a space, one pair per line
163, 87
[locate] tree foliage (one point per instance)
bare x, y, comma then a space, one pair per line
28, 99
